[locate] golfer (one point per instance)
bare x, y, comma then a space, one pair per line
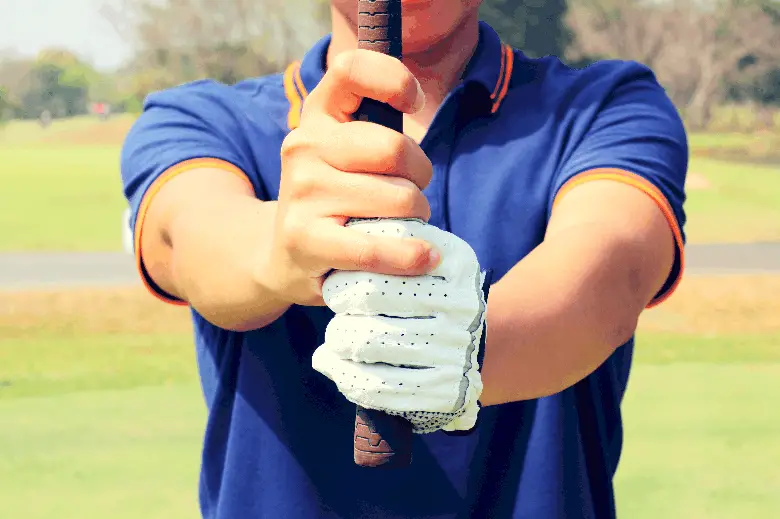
567, 184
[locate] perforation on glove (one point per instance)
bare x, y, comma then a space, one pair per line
409, 346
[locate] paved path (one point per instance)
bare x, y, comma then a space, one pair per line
49, 270
731, 258
20, 271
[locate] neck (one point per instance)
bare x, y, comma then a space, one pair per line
437, 67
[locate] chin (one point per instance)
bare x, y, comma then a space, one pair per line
428, 22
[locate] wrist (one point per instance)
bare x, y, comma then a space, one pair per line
269, 275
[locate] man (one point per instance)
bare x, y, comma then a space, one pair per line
568, 184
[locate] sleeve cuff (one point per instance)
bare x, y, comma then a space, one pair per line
154, 188
641, 183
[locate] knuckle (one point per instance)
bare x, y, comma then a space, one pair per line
426, 171
304, 184
415, 257
366, 256
391, 151
396, 144
406, 199
295, 142
345, 67
293, 232
406, 83
420, 168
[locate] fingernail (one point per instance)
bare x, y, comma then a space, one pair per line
434, 258
419, 102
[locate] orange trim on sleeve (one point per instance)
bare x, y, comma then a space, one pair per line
295, 99
170, 173
499, 95
650, 190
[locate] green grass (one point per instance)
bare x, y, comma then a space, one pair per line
61, 186
702, 441
60, 198
84, 130
101, 412
110, 454
741, 204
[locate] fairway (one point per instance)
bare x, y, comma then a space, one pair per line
102, 454
61, 186
740, 203
60, 199
62, 189
701, 442
101, 411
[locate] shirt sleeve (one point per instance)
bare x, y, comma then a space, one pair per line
636, 136
187, 127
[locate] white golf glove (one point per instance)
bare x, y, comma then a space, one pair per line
409, 346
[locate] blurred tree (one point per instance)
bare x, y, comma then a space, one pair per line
57, 81
696, 49
763, 84
14, 75
6, 108
178, 41
534, 26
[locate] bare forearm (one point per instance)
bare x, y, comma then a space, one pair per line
211, 250
558, 314
217, 262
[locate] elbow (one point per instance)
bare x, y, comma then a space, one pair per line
239, 318
619, 329
254, 323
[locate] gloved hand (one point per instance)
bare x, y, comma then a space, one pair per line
409, 346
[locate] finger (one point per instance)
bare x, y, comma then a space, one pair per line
379, 386
362, 147
359, 195
397, 342
355, 75
343, 248
329, 192
459, 261
401, 297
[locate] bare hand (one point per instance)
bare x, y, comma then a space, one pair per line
335, 168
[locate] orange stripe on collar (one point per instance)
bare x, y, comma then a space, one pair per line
299, 83
497, 88
508, 57
293, 96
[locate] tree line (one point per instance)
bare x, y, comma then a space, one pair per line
704, 53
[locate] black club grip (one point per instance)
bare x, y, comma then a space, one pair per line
381, 440
379, 29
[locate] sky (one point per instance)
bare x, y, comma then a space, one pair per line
27, 26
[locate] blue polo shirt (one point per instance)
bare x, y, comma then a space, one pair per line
506, 142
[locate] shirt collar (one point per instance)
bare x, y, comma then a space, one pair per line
490, 67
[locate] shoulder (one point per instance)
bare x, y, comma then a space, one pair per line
242, 125
253, 101
569, 92
599, 77
563, 105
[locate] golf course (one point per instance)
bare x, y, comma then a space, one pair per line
101, 414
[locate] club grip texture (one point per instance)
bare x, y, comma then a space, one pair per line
379, 29
381, 440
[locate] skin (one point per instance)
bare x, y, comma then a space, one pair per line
241, 262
